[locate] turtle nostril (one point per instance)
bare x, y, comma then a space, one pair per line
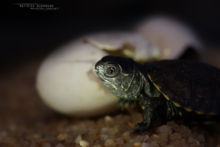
96, 67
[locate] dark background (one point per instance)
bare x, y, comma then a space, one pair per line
26, 33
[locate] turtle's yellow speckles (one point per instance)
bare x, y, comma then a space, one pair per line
176, 104
115, 87
157, 86
125, 74
188, 109
199, 112
142, 107
166, 97
149, 77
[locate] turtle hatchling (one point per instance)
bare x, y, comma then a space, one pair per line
162, 88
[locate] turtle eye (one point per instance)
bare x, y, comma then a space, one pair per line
111, 70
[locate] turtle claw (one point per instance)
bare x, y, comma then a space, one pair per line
141, 127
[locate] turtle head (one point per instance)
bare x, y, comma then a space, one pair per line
121, 76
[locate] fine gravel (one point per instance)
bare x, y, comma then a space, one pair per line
27, 121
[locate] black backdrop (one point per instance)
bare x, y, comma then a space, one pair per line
25, 32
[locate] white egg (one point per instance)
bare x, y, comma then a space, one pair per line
170, 35
66, 82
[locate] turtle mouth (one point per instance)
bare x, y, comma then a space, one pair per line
97, 73
95, 70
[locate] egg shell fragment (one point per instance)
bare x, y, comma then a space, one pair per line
171, 36
114, 41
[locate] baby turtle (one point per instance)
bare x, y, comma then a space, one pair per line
162, 88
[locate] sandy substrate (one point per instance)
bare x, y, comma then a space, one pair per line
26, 121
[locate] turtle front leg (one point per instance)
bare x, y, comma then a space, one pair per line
150, 112
146, 122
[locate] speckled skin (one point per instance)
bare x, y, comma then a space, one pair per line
162, 88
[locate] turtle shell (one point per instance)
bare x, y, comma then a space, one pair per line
191, 85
